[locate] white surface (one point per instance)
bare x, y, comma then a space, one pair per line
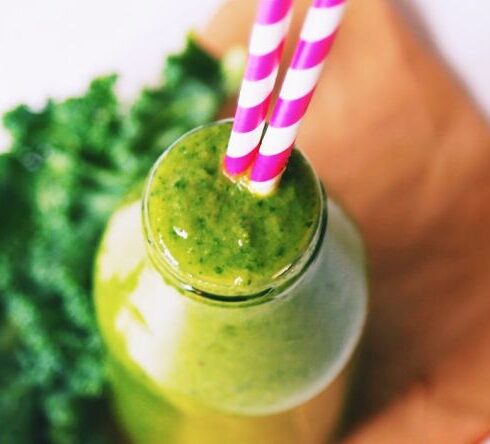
54, 47
459, 30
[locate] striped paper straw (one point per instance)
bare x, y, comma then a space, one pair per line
265, 50
317, 36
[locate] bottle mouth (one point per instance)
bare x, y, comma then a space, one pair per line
202, 289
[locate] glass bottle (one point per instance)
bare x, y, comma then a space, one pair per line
189, 366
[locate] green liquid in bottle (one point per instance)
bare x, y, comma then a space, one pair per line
228, 318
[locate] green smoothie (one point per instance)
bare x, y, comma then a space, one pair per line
228, 318
214, 230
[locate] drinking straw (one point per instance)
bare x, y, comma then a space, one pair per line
316, 39
265, 50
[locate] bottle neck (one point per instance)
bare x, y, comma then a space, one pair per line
203, 291
208, 286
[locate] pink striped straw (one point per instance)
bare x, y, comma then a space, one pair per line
265, 50
316, 39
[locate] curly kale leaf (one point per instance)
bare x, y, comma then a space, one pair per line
68, 167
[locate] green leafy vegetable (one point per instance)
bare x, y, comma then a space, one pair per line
69, 166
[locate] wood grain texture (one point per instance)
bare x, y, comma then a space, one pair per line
398, 142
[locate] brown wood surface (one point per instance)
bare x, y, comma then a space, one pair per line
398, 142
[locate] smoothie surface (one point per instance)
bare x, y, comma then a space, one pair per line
214, 230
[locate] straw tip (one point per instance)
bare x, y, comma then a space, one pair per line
263, 189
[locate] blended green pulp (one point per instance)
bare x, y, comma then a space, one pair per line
214, 229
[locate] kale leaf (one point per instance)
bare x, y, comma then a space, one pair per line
68, 167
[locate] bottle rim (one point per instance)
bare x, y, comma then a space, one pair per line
203, 290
